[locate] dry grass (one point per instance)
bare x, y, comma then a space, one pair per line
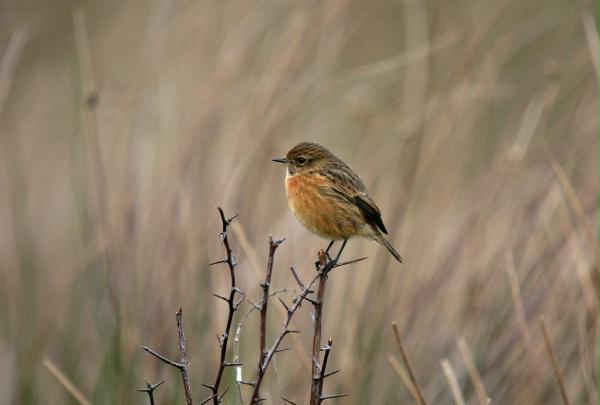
474, 124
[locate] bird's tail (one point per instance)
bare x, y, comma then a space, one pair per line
383, 241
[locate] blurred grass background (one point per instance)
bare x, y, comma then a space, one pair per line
123, 124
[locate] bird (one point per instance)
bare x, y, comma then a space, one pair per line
329, 198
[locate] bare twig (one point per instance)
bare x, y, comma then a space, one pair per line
264, 306
335, 266
323, 370
324, 266
420, 399
325, 397
316, 383
184, 370
150, 390
232, 305
238, 332
296, 277
182, 365
555, 366
285, 330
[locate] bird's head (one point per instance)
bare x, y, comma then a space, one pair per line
306, 156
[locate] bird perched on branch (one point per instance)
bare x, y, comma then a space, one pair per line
329, 199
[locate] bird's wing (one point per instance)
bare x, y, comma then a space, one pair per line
345, 183
369, 210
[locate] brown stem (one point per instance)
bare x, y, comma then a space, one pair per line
316, 383
265, 303
296, 303
232, 307
182, 365
323, 370
184, 370
150, 390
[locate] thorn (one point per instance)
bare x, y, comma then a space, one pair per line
151, 387
210, 387
223, 394
218, 262
331, 373
250, 383
221, 297
291, 331
282, 350
333, 396
227, 364
348, 262
297, 278
277, 242
283, 303
230, 220
288, 401
163, 358
207, 399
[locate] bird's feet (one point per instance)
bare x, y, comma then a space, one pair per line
326, 263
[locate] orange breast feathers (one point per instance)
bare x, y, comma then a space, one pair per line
330, 218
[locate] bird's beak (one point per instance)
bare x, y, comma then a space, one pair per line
280, 160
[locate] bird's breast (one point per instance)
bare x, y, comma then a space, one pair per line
303, 192
322, 215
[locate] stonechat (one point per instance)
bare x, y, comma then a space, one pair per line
329, 199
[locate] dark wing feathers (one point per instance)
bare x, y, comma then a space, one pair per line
349, 186
369, 210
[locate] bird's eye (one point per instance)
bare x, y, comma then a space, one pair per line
301, 161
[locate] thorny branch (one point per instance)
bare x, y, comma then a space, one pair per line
273, 245
316, 383
323, 374
237, 337
262, 369
182, 365
234, 299
324, 266
150, 390
232, 305
323, 269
